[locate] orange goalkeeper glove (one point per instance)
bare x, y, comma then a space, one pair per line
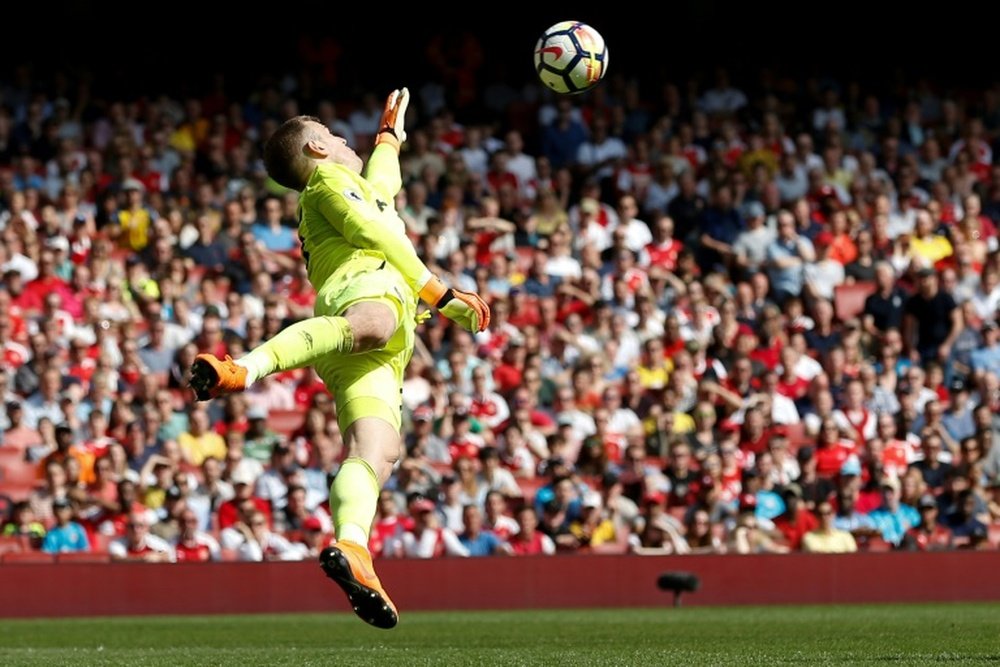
467, 309
391, 126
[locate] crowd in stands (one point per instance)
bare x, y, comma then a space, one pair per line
725, 320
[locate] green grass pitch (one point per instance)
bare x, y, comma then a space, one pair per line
874, 634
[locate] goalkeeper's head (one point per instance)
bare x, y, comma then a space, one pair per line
293, 151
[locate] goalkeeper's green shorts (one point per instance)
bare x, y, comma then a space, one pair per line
369, 384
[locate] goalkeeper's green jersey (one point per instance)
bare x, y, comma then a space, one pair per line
344, 215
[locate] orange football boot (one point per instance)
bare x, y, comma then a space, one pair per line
350, 566
211, 376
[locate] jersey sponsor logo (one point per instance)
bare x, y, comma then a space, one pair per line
351, 194
381, 204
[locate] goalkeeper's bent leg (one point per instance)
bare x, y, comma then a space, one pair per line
366, 325
298, 346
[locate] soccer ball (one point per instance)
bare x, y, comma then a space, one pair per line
571, 57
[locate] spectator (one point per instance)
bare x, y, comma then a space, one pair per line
786, 259
797, 520
701, 537
194, 545
23, 524
931, 320
827, 538
593, 530
427, 538
893, 519
929, 535
139, 544
529, 541
66, 535
200, 441
259, 543
476, 540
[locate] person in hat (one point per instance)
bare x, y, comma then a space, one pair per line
426, 538
986, 358
232, 511
750, 246
894, 518
259, 440
797, 520
134, 218
67, 535
930, 535
593, 529
421, 441
370, 280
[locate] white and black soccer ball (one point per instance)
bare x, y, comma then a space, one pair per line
571, 57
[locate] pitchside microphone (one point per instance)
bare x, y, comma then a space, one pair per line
678, 582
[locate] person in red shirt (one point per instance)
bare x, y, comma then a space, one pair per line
929, 535
47, 282
193, 545
389, 523
229, 511
529, 541
664, 249
797, 520
831, 450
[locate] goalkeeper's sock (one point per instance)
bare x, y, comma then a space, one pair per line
353, 500
299, 345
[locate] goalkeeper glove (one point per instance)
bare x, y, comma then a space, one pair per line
391, 126
466, 309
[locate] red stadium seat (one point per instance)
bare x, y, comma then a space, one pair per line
877, 545
994, 534
530, 486
11, 455
797, 436
19, 472
285, 422
17, 491
35, 557
10, 543
84, 557
849, 300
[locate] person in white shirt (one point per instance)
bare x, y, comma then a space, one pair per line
427, 538
260, 544
520, 163
823, 275
637, 232
600, 152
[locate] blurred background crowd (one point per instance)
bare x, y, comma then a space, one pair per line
731, 315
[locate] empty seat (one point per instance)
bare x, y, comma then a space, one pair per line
285, 421
849, 300
84, 557
39, 557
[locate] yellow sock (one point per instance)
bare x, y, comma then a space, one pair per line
353, 500
299, 345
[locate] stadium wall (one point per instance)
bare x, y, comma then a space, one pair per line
98, 589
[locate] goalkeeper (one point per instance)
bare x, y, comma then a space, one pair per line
368, 280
